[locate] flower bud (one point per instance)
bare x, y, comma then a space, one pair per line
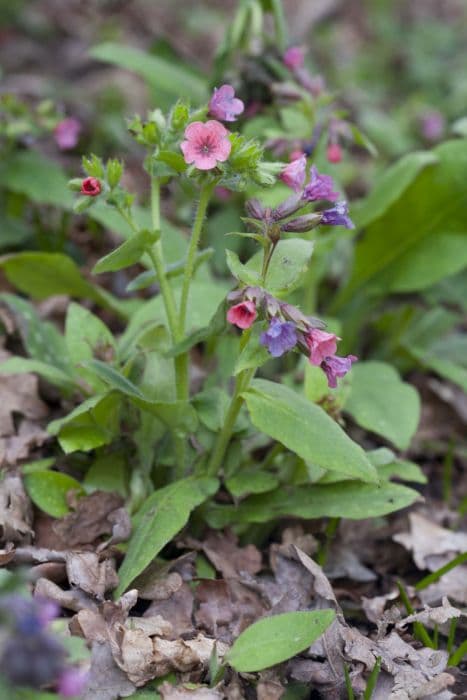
180, 115
93, 166
288, 207
255, 209
90, 187
114, 172
334, 153
302, 223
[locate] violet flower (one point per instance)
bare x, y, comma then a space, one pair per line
294, 58
206, 144
66, 133
224, 105
319, 187
280, 337
336, 366
337, 216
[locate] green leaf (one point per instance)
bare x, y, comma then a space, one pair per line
250, 481
253, 354
175, 414
161, 517
414, 242
86, 337
381, 402
306, 429
277, 638
91, 424
286, 270
344, 499
437, 359
129, 253
48, 491
41, 338
42, 275
391, 185
37, 177
54, 375
160, 73
107, 473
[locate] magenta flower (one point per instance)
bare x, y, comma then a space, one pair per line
72, 682
294, 174
66, 133
432, 124
335, 367
322, 345
206, 144
242, 315
91, 187
337, 216
319, 187
224, 105
279, 338
334, 153
294, 58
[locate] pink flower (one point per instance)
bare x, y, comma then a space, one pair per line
206, 144
319, 187
321, 345
72, 682
66, 133
242, 315
294, 174
294, 58
224, 105
335, 367
334, 153
91, 187
296, 154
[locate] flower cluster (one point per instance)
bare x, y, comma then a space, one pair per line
289, 329
31, 656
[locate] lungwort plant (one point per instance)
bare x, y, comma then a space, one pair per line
214, 436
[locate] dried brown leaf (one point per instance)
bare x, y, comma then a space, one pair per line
87, 572
18, 447
73, 599
19, 394
90, 519
180, 692
178, 609
439, 615
427, 540
15, 511
226, 556
106, 680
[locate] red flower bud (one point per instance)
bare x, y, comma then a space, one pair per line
91, 187
334, 153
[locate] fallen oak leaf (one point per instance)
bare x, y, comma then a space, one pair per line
182, 692
438, 615
15, 510
86, 571
90, 518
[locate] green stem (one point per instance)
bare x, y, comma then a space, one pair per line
224, 437
157, 258
190, 265
279, 25
419, 630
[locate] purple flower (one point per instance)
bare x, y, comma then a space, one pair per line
72, 683
294, 173
280, 337
432, 124
319, 187
337, 216
66, 133
294, 57
224, 105
336, 366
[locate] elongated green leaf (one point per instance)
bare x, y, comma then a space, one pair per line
160, 73
39, 178
381, 402
344, 499
87, 337
162, 515
48, 490
391, 186
129, 253
431, 211
277, 638
42, 275
54, 375
175, 414
91, 424
306, 429
288, 266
